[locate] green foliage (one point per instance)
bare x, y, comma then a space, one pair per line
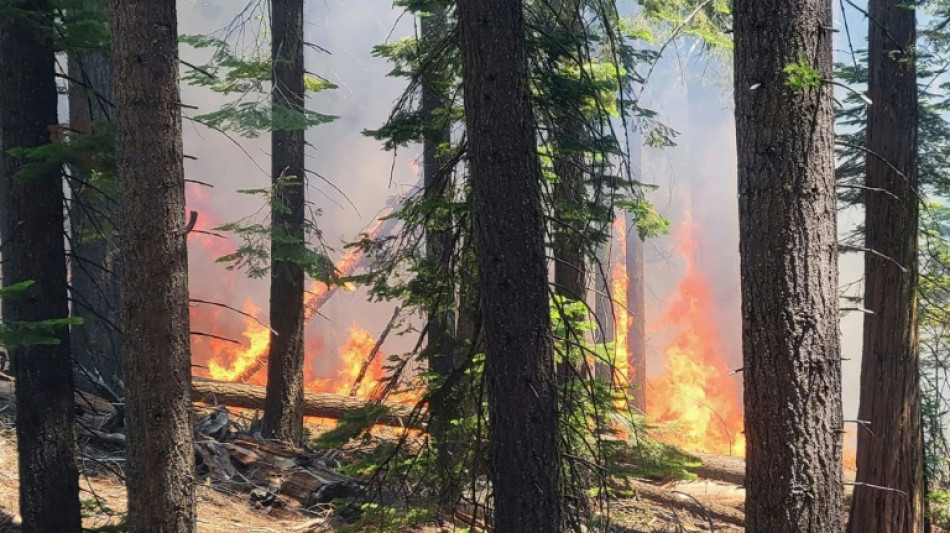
662, 20
249, 78
939, 506
74, 24
351, 425
649, 222
250, 118
75, 150
17, 334
800, 76
246, 75
376, 517
261, 244
97, 509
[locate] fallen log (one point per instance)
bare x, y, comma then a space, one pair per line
725, 468
703, 510
731, 469
315, 404
245, 396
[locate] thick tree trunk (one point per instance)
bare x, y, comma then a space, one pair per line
283, 418
160, 474
94, 267
519, 365
636, 336
891, 453
788, 253
31, 230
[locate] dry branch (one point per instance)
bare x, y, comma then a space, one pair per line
372, 354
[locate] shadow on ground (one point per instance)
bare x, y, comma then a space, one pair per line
7, 525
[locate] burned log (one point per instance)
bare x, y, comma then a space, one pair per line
314, 404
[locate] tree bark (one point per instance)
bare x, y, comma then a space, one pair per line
94, 279
31, 230
160, 475
519, 366
283, 418
891, 456
603, 312
788, 254
731, 469
567, 134
442, 352
636, 337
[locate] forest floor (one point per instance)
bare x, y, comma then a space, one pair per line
637, 506
222, 512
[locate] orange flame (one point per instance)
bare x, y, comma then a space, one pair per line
228, 361
358, 346
351, 258
696, 393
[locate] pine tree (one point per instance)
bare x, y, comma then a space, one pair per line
34, 273
519, 365
155, 322
283, 417
94, 265
791, 355
890, 454
441, 331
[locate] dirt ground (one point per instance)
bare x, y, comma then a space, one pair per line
223, 512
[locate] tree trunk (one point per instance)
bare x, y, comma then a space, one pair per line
519, 366
442, 348
603, 311
891, 456
94, 278
283, 418
567, 136
788, 254
636, 337
160, 474
31, 229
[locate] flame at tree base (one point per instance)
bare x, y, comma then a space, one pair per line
695, 398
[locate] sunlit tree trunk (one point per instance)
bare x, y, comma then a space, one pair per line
506, 180
283, 418
636, 336
788, 252
31, 231
890, 449
158, 410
